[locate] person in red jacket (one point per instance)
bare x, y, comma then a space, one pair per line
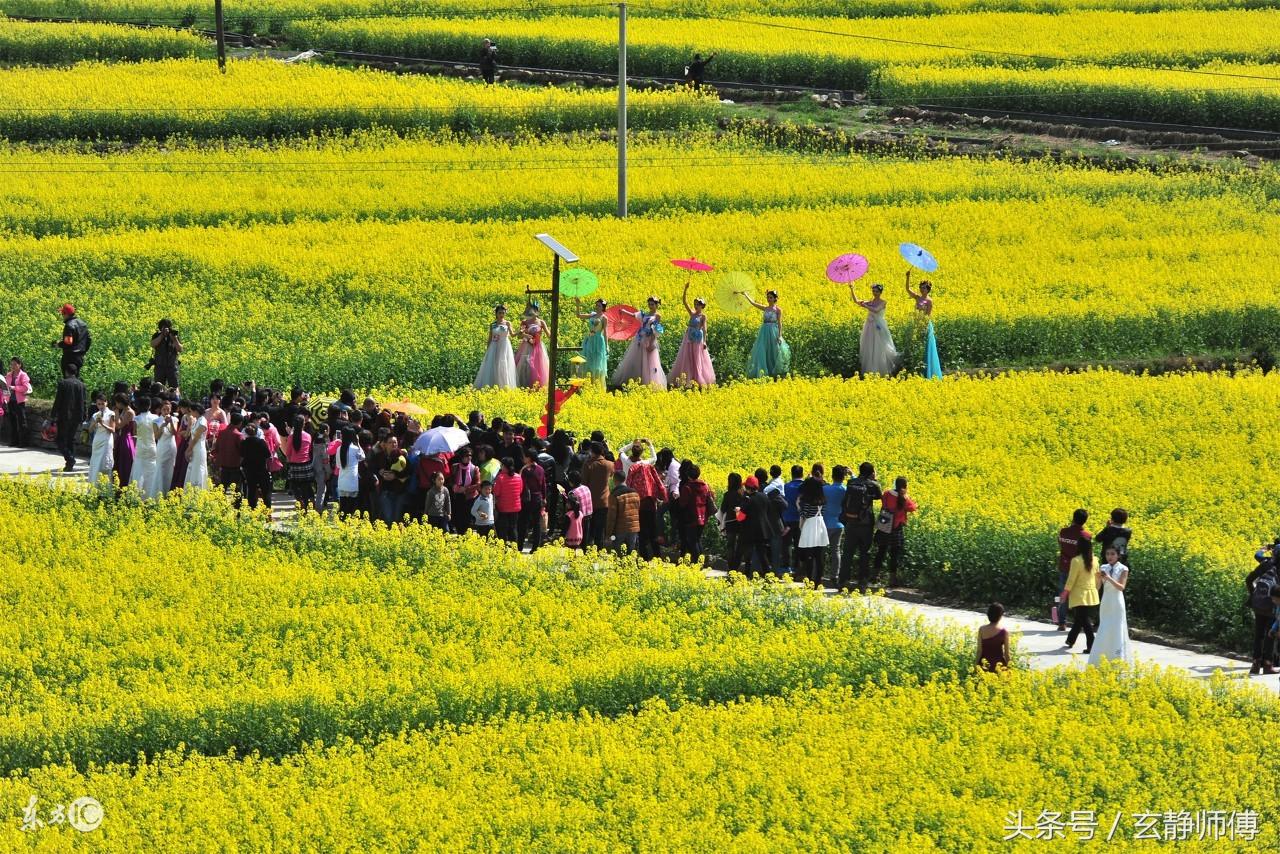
893, 542
645, 479
506, 500
695, 502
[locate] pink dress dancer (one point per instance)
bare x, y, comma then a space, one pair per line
692, 367
642, 361
533, 366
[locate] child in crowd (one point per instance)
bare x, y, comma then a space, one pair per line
482, 510
438, 503
573, 521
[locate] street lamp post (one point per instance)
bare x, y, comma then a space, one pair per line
559, 253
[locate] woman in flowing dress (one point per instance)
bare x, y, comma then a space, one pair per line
1112, 640
595, 348
922, 328
875, 349
692, 367
198, 452
123, 444
642, 361
499, 366
771, 354
532, 364
102, 429
166, 447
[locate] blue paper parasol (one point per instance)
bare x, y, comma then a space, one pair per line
917, 256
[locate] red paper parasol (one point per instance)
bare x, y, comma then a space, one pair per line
620, 326
692, 264
847, 268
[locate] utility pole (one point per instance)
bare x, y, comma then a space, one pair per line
222, 37
622, 110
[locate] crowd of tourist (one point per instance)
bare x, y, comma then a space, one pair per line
838, 528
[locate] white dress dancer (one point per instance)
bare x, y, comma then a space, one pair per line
144, 455
198, 467
102, 457
1112, 640
166, 453
876, 352
499, 366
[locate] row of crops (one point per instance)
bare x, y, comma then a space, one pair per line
603, 703
1096, 63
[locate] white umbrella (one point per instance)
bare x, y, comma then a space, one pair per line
441, 440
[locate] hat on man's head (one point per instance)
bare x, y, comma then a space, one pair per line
751, 482
68, 309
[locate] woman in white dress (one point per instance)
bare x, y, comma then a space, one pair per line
166, 447
198, 453
102, 429
498, 370
1112, 640
144, 455
642, 361
875, 349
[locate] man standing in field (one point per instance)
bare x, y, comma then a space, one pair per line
696, 70
1068, 546
68, 413
488, 61
75, 341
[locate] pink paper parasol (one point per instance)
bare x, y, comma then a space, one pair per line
692, 264
847, 268
619, 326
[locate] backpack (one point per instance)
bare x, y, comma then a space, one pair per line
1260, 597
858, 498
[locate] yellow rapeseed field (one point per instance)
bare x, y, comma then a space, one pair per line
1098, 761
132, 629
265, 98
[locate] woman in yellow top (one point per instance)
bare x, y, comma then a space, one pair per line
1081, 593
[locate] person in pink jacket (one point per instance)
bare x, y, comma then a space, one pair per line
15, 410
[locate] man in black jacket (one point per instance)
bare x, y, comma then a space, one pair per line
254, 459
165, 348
69, 413
488, 61
75, 341
1258, 586
757, 529
859, 518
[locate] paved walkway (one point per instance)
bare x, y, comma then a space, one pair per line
1040, 642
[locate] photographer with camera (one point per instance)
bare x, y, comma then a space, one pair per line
165, 347
488, 61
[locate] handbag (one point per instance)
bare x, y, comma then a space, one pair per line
813, 533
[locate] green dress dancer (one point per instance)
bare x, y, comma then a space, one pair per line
771, 355
594, 347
